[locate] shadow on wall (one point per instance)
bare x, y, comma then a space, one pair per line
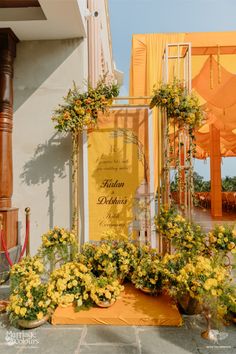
48, 162
35, 62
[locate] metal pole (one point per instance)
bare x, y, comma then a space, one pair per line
27, 227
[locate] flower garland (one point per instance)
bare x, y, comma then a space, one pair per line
81, 109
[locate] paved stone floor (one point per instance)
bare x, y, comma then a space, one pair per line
115, 340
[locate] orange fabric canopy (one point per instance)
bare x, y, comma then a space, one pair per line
213, 78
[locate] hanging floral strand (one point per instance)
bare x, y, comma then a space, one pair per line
80, 111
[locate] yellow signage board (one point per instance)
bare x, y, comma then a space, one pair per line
117, 177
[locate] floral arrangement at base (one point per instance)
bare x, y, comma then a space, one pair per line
223, 238
202, 278
58, 246
99, 258
185, 236
113, 256
70, 284
25, 269
105, 291
29, 301
81, 109
126, 259
126, 253
147, 275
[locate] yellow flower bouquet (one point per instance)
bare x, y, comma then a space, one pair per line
223, 238
70, 284
126, 258
100, 258
80, 109
58, 246
186, 237
147, 275
29, 301
182, 108
110, 257
26, 268
105, 291
203, 278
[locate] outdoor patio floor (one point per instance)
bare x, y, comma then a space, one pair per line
115, 340
203, 217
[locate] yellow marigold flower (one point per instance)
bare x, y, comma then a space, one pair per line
231, 245
23, 311
209, 283
221, 229
79, 302
214, 292
40, 315
212, 238
108, 294
85, 296
74, 282
17, 310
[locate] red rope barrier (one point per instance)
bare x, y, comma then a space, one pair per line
5, 249
23, 248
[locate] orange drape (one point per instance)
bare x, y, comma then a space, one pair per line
145, 72
219, 100
214, 80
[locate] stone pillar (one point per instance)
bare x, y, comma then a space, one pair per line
8, 42
215, 169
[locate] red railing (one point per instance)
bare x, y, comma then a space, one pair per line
26, 241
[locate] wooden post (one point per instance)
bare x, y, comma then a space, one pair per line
8, 42
75, 167
215, 167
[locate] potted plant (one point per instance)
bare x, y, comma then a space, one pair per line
186, 237
59, 246
100, 258
222, 239
27, 267
147, 275
29, 306
105, 291
69, 285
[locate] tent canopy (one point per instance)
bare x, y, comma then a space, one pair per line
213, 78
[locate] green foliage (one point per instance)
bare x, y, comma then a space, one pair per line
80, 109
200, 185
182, 108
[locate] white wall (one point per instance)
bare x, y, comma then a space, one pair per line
44, 71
